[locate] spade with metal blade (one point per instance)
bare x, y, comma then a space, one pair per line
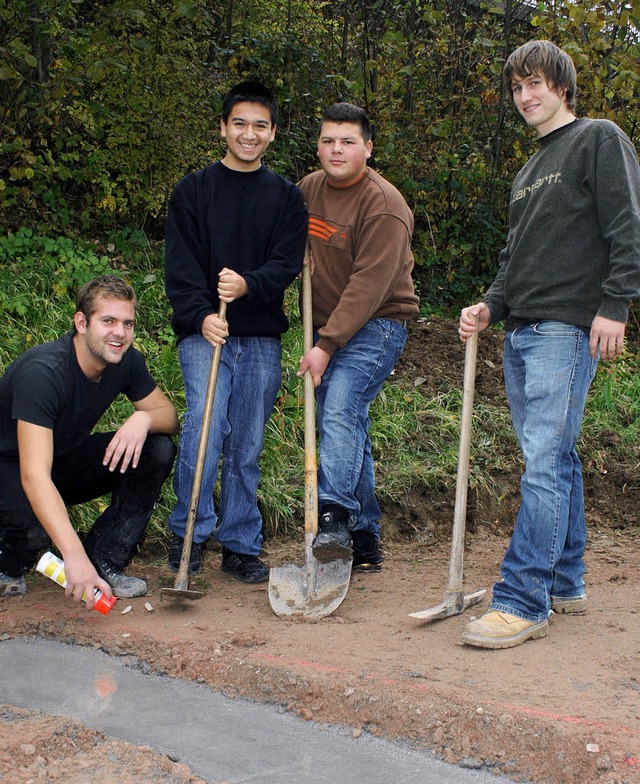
315, 590
455, 600
181, 588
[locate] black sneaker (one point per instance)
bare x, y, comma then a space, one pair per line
366, 552
333, 540
175, 554
121, 584
246, 568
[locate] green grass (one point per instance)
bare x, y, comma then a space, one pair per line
614, 402
610, 434
414, 437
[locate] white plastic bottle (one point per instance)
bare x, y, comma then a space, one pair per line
53, 567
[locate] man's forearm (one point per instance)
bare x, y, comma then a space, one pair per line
51, 511
164, 420
49, 507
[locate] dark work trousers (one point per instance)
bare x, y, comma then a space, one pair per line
81, 477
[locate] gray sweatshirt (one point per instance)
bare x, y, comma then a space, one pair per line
573, 249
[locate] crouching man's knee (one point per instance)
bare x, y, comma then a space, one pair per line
159, 452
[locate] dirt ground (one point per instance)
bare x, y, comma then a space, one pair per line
561, 710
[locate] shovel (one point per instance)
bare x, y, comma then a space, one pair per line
181, 588
455, 600
317, 588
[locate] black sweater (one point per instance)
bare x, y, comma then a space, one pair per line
573, 250
254, 223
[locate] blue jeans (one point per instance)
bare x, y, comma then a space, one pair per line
247, 386
548, 370
353, 378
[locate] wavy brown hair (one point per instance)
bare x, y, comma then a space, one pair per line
543, 58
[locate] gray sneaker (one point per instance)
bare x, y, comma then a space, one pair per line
122, 584
12, 586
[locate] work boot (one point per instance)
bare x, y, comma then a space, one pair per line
576, 605
333, 539
12, 586
497, 629
246, 568
175, 554
122, 585
366, 552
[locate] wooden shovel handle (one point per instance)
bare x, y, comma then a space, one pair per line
462, 479
310, 460
183, 569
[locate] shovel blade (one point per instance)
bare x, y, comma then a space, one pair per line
181, 590
180, 593
453, 604
312, 591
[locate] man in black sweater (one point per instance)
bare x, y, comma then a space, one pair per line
235, 233
566, 280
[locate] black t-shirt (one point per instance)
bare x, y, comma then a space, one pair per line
45, 386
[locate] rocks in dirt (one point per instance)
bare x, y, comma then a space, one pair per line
438, 735
605, 764
70, 752
471, 762
506, 719
182, 771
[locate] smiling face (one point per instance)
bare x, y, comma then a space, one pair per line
343, 152
543, 107
248, 132
106, 336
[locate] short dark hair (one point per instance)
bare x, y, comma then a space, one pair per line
350, 113
104, 286
250, 92
543, 58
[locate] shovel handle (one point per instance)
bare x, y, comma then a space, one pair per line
462, 479
455, 601
310, 460
182, 578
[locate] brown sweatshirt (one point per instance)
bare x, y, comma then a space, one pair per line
360, 240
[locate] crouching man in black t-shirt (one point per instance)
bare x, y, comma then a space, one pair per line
51, 397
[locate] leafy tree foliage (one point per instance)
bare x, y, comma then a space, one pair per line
104, 104
102, 107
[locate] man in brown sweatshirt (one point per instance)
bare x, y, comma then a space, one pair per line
360, 238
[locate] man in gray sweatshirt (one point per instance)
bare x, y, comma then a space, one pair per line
566, 279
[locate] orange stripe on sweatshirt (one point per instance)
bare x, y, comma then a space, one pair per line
321, 229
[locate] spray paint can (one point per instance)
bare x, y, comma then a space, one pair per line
53, 567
